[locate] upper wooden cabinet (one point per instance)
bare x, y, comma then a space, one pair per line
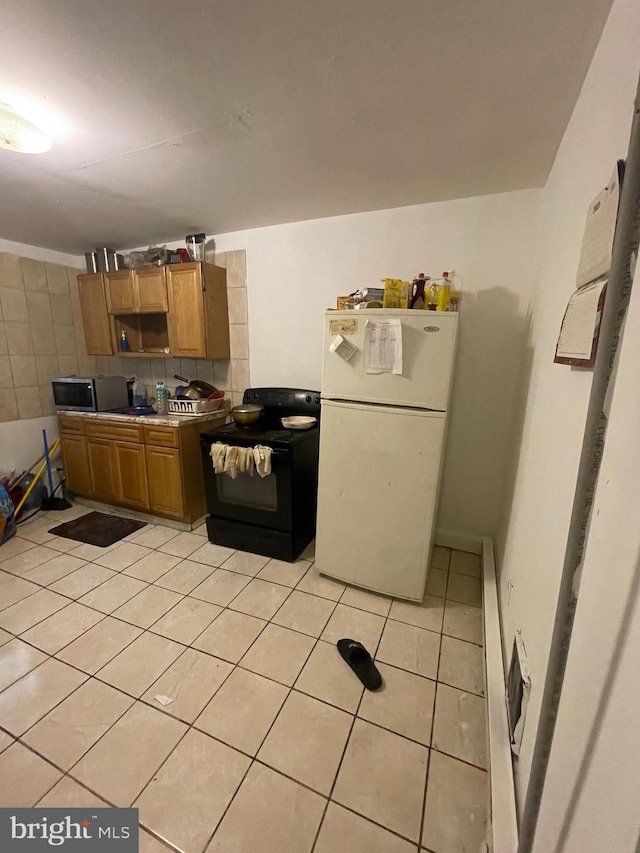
192, 297
95, 319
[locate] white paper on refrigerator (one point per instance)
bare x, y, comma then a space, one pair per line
383, 346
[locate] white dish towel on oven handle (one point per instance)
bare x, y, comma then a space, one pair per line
262, 458
232, 460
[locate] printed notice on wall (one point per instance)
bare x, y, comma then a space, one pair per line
580, 326
599, 231
383, 346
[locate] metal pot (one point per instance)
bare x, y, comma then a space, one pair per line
247, 414
197, 389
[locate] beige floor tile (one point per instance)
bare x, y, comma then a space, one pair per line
269, 814
345, 831
54, 569
260, 598
187, 620
136, 668
466, 564
309, 552
16, 660
238, 561
147, 843
122, 762
364, 600
113, 593
427, 615
67, 732
82, 581
410, 648
29, 611
288, 574
91, 552
455, 817
306, 613
5, 636
464, 589
24, 777
23, 561
189, 794
190, 681
16, 545
463, 622
201, 531
68, 794
306, 741
229, 635
353, 624
13, 589
242, 710
153, 566
100, 644
221, 587
29, 699
147, 606
59, 543
182, 545
383, 777
185, 577
440, 557
36, 531
278, 653
57, 631
122, 556
154, 536
316, 584
437, 582
404, 704
462, 665
326, 676
5, 740
459, 727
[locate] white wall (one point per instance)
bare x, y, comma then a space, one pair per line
537, 504
295, 271
39, 254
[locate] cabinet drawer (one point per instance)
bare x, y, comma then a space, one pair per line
113, 430
67, 424
162, 436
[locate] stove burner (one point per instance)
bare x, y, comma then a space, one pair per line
275, 434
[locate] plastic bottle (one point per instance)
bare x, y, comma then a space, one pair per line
124, 343
162, 398
444, 294
433, 296
417, 291
455, 296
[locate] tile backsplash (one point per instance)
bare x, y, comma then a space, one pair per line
41, 336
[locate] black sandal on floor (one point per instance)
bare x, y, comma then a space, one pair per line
359, 659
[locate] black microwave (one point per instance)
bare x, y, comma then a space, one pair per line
90, 393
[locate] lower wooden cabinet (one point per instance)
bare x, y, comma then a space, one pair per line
103, 472
156, 469
131, 468
76, 464
165, 481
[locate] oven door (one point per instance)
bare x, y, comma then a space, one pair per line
263, 501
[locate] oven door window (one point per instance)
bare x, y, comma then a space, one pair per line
256, 492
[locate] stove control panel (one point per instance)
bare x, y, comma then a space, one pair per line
295, 401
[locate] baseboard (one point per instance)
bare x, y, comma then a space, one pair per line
503, 837
459, 541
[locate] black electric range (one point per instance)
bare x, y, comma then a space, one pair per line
276, 515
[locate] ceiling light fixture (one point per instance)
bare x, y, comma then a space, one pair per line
19, 134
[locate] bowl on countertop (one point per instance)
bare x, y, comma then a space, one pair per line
298, 422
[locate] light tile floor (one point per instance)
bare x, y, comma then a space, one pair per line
269, 742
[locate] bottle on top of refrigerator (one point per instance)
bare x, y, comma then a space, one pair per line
455, 295
444, 293
162, 398
417, 291
432, 295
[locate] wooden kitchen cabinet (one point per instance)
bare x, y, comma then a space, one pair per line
198, 311
95, 316
103, 470
151, 291
76, 463
165, 481
120, 289
131, 468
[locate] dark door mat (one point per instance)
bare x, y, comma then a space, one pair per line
98, 528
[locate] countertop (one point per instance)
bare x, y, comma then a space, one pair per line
169, 420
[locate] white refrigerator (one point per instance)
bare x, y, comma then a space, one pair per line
382, 438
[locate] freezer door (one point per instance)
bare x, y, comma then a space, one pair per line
428, 351
377, 495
